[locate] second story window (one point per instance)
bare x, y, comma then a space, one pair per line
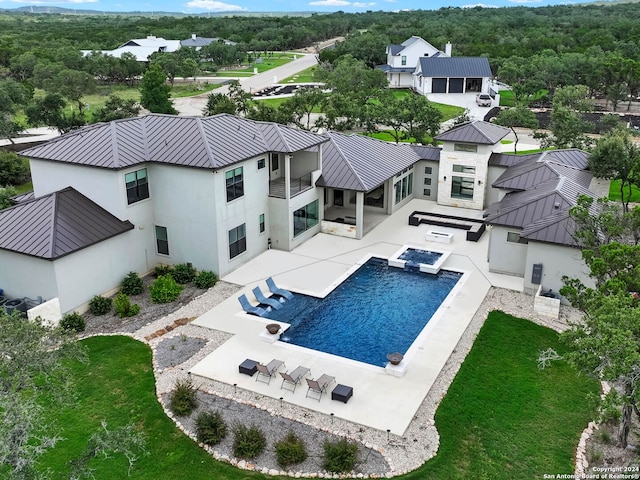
404, 60
234, 180
137, 186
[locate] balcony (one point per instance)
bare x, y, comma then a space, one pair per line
297, 186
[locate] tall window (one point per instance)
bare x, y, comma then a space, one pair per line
261, 163
137, 186
305, 218
261, 223
275, 163
462, 187
403, 59
162, 241
235, 183
237, 241
465, 147
403, 186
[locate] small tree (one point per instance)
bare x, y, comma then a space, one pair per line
219, 103
518, 116
116, 108
154, 92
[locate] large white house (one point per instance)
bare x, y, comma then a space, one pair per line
418, 65
218, 191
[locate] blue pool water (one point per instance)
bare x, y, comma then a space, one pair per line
415, 255
376, 311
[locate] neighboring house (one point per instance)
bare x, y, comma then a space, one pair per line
417, 64
199, 42
141, 48
530, 224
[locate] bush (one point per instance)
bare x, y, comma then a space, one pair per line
100, 305
73, 321
164, 289
205, 279
124, 307
210, 428
340, 456
14, 170
183, 273
291, 450
248, 442
161, 270
183, 398
131, 284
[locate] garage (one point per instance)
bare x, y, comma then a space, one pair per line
439, 85
456, 85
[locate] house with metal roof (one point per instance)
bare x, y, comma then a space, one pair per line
418, 65
199, 42
140, 48
530, 225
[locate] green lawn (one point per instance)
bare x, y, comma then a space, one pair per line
305, 76
508, 100
614, 192
24, 188
501, 419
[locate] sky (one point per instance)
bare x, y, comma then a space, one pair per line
203, 6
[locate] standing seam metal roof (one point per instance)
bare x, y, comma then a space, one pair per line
477, 131
457, 67
56, 225
356, 162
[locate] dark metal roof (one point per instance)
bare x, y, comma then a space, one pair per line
427, 152
23, 197
203, 42
390, 69
56, 225
442, 66
211, 142
395, 49
540, 211
356, 162
509, 159
477, 131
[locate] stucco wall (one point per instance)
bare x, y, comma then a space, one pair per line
419, 176
25, 276
493, 195
506, 257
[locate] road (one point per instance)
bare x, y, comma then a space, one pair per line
193, 106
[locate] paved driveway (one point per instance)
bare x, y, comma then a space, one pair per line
464, 100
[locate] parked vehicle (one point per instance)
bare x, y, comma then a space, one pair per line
483, 100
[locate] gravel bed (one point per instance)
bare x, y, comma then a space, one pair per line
176, 350
274, 427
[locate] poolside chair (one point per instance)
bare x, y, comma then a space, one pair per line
247, 307
319, 386
278, 291
269, 370
293, 378
264, 300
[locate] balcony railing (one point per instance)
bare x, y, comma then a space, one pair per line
297, 185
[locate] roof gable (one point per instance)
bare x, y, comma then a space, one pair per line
56, 225
478, 132
444, 66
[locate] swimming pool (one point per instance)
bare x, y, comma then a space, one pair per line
378, 310
416, 255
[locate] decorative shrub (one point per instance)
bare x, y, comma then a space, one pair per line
161, 270
183, 273
124, 307
183, 398
210, 428
131, 284
164, 289
99, 305
248, 442
291, 450
205, 279
340, 456
73, 321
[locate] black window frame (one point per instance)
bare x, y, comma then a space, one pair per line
275, 162
261, 223
235, 183
459, 185
162, 242
261, 163
305, 218
138, 189
237, 240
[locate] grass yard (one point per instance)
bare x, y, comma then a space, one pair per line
305, 76
117, 385
614, 192
502, 417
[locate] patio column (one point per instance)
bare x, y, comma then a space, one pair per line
359, 215
287, 177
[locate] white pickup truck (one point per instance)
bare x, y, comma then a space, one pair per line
483, 100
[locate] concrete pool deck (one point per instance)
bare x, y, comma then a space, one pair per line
380, 400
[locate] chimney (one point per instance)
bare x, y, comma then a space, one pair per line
447, 49
193, 36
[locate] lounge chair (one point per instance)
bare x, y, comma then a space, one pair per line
278, 291
247, 307
269, 370
264, 300
293, 378
319, 385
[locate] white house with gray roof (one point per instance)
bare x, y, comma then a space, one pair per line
140, 48
418, 65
